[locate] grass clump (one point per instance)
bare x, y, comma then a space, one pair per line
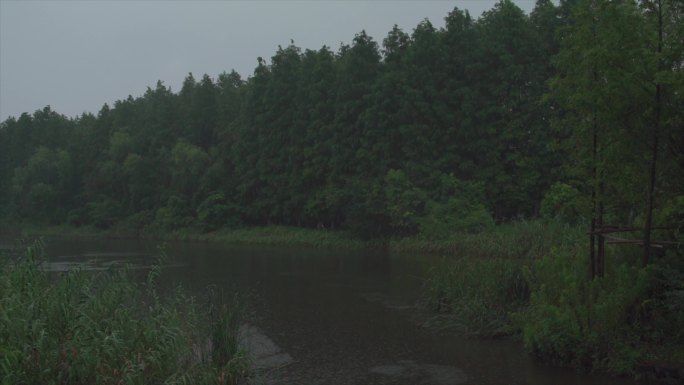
482, 290
105, 328
258, 235
278, 236
575, 321
541, 291
516, 240
478, 296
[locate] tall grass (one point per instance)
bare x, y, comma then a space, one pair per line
277, 236
478, 296
518, 240
522, 239
260, 235
106, 328
532, 280
481, 290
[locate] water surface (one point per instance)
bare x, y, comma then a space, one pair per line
331, 317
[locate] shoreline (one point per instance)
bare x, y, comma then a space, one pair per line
511, 240
506, 253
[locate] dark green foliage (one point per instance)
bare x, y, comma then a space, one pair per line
586, 323
312, 138
456, 215
216, 212
405, 203
41, 188
175, 214
455, 209
542, 292
104, 328
364, 137
479, 296
565, 203
425, 142
103, 213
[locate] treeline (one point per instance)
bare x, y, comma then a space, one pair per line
483, 120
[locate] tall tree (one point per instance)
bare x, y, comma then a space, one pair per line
665, 19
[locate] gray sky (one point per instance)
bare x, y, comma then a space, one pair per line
77, 55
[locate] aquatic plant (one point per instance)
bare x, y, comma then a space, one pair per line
478, 296
87, 327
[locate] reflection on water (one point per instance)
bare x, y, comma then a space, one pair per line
97, 261
331, 317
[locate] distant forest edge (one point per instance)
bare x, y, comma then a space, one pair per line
575, 108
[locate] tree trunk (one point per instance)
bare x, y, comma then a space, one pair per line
601, 253
654, 149
592, 239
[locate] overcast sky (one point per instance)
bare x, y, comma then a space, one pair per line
77, 55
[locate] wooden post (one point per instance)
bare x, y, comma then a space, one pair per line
601, 260
592, 239
592, 255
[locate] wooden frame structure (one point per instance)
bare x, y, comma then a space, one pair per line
600, 234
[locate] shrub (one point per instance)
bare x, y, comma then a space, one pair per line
405, 202
215, 212
631, 315
175, 215
564, 202
104, 212
456, 215
581, 322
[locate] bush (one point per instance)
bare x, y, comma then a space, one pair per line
456, 215
215, 212
405, 203
630, 316
577, 321
104, 212
104, 328
565, 203
672, 214
456, 208
175, 215
663, 317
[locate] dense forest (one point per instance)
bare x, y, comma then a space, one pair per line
574, 109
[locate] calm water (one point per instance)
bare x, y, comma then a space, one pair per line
328, 317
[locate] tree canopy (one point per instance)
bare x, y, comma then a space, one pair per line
462, 126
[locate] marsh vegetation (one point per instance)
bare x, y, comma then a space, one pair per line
107, 327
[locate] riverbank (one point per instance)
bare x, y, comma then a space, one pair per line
514, 240
531, 281
528, 280
105, 328
267, 236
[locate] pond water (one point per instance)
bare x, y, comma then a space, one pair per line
330, 317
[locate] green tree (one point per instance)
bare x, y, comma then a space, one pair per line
508, 144
42, 186
188, 164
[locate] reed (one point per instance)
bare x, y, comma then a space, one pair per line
278, 236
478, 296
519, 240
107, 328
531, 280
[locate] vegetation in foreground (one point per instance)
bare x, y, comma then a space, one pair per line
104, 328
543, 292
